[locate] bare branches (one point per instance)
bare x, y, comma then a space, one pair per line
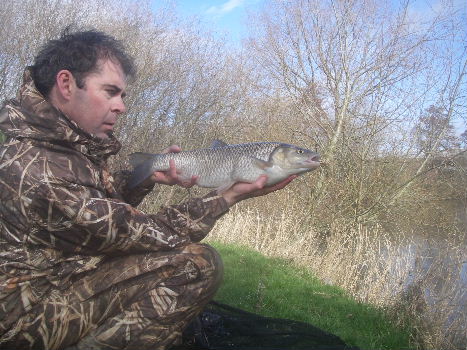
372, 65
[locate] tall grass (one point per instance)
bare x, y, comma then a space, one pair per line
372, 265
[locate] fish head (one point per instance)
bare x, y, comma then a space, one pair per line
290, 157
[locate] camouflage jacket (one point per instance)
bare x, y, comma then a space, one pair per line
62, 213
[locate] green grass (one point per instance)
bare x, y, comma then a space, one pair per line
276, 288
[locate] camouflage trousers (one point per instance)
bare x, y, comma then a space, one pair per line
142, 301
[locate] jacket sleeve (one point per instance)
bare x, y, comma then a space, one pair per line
78, 219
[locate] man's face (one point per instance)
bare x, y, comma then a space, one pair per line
96, 106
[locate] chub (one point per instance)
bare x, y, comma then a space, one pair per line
222, 165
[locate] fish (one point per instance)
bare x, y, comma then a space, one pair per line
222, 165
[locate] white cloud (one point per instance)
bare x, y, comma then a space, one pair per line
226, 7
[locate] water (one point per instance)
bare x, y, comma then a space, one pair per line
437, 265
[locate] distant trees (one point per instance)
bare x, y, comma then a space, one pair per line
436, 134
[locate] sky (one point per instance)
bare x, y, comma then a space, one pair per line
229, 17
224, 17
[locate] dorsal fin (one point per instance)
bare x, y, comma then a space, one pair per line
218, 143
138, 158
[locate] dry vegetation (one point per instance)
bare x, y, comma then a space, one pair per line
374, 87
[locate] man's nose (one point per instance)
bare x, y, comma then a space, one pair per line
119, 106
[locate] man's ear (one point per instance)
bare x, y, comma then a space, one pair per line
65, 83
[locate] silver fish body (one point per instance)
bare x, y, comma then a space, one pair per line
222, 165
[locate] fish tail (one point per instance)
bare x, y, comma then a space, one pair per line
140, 173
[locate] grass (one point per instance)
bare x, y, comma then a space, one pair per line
274, 287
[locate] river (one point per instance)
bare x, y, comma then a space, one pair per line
437, 278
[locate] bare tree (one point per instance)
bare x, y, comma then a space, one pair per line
373, 69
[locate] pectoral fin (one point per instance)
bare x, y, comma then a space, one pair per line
262, 164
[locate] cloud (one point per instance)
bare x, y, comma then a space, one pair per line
226, 7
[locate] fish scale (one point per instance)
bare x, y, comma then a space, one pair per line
222, 165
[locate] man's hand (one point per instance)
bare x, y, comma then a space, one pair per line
243, 190
170, 177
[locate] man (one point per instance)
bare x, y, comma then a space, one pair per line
80, 266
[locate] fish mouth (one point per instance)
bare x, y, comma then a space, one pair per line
313, 162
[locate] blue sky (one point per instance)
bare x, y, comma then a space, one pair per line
224, 17
229, 16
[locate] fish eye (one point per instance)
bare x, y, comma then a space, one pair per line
299, 151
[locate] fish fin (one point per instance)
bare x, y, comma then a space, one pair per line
139, 158
139, 174
262, 164
218, 143
277, 156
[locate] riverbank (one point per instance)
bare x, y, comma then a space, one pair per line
420, 282
276, 288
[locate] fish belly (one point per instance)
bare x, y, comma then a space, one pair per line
276, 174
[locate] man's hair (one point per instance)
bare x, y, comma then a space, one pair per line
79, 53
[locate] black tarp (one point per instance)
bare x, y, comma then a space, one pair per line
222, 327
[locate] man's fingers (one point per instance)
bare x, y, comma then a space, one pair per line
284, 183
172, 149
241, 190
189, 183
260, 182
171, 177
279, 185
173, 170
